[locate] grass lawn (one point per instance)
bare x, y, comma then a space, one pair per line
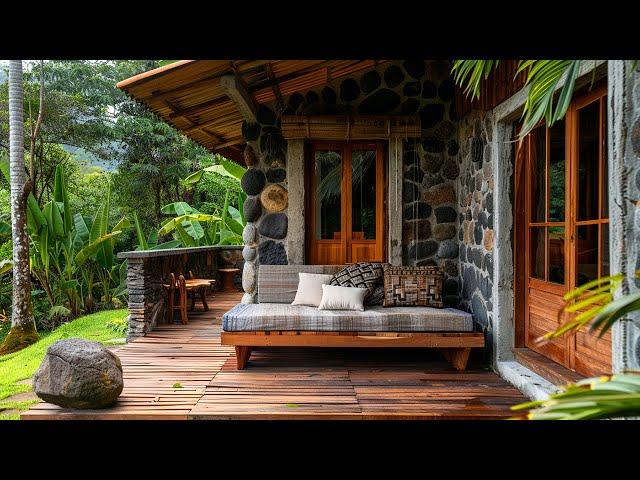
21, 365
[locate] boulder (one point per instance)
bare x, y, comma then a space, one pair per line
274, 198
77, 373
253, 181
272, 253
274, 225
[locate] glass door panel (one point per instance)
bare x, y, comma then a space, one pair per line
328, 192
363, 195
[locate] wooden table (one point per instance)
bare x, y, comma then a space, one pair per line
227, 278
193, 285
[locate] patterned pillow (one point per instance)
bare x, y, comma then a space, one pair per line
367, 275
413, 286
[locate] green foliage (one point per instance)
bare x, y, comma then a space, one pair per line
543, 77
119, 325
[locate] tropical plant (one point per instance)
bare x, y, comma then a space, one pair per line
543, 77
23, 328
593, 398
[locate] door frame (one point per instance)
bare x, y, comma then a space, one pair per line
346, 147
522, 212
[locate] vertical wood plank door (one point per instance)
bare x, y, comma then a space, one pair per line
345, 202
565, 228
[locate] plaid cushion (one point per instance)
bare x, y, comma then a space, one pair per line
278, 316
367, 275
279, 283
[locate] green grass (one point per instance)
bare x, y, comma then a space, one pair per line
21, 365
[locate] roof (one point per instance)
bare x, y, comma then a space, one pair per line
189, 96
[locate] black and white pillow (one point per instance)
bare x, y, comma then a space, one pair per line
369, 275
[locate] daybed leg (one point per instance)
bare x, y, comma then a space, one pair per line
458, 357
242, 356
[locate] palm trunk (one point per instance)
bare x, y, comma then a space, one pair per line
23, 330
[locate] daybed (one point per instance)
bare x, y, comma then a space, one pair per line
274, 322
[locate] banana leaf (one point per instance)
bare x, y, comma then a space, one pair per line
173, 223
234, 226
35, 217
178, 208
5, 266
185, 239
142, 243
54, 219
194, 229
165, 245
61, 197
5, 228
94, 247
152, 241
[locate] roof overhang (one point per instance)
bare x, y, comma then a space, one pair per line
207, 100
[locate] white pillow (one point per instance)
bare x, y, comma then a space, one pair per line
342, 298
310, 288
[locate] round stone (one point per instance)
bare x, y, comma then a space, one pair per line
444, 231
414, 68
479, 311
272, 253
410, 192
250, 131
429, 90
450, 286
451, 268
452, 147
273, 145
433, 144
417, 210
469, 282
393, 76
265, 115
274, 198
249, 156
422, 249
78, 373
446, 214
410, 106
295, 100
488, 264
274, 225
250, 235
431, 114
414, 174
431, 163
252, 209
276, 175
439, 194
253, 181
370, 81
451, 170
329, 96
249, 277
477, 149
448, 249
381, 102
312, 98
416, 230
445, 90
349, 90
249, 253
411, 89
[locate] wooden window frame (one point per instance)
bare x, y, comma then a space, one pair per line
346, 148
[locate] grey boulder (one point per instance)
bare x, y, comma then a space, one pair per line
77, 373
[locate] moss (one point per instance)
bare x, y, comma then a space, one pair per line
19, 337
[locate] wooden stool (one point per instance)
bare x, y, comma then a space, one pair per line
176, 287
227, 278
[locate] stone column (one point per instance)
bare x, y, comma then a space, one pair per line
394, 201
624, 201
295, 179
146, 303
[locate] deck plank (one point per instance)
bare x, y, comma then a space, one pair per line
287, 383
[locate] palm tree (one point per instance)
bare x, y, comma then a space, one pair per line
23, 329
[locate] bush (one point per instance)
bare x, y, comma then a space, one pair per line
119, 325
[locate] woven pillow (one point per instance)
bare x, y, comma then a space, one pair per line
413, 286
367, 275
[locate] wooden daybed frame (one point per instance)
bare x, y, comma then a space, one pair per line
456, 346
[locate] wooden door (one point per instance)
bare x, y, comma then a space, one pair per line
565, 228
345, 202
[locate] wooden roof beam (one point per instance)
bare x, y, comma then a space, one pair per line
198, 108
240, 97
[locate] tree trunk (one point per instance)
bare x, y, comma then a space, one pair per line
23, 330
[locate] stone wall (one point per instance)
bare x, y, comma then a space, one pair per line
147, 271
475, 203
429, 171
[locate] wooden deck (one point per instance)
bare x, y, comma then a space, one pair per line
182, 372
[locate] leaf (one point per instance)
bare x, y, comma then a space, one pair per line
58, 311
5, 266
54, 219
227, 168
123, 224
234, 226
92, 249
186, 239
142, 243
5, 228
193, 178
35, 217
173, 223
165, 245
61, 197
178, 208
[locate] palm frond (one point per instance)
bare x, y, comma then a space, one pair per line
472, 72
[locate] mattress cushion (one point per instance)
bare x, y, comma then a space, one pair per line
279, 316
